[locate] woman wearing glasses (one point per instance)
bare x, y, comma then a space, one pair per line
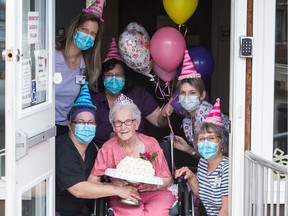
210, 183
75, 156
114, 80
125, 118
77, 58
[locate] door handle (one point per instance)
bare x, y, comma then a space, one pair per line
8, 55
24, 142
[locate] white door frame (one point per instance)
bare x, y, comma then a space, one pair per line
237, 108
23, 174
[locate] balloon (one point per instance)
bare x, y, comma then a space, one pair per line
203, 61
167, 48
134, 26
166, 76
134, 48
180, 10
178, 109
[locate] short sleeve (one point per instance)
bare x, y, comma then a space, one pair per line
225, 179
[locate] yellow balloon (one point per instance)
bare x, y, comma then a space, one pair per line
180, 10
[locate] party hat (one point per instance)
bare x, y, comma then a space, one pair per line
84, 98
123, 99
96, 9
214, 116
113, 52
188, 68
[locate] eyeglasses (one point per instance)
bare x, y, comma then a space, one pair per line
128, 122
210, 138
111, 75
86, 30
82, 122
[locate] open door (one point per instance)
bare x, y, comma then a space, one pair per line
29, 108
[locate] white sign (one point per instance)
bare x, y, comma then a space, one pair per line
26, 81
33, 27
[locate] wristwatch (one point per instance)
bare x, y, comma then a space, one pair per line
193, 151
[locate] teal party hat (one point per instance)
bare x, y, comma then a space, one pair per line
84, 98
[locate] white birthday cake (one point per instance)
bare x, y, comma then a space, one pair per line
136, 166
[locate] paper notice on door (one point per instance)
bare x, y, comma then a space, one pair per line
26, 81
33, 27
41, 69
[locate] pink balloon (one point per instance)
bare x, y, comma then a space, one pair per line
167, 47
166, 76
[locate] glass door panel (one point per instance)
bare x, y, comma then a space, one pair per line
280, 154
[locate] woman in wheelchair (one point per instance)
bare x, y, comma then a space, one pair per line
211, 182
154, 200
75, 156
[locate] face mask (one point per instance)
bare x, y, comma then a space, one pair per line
114, 85
189, 103
207, 149
83, 41
84, 133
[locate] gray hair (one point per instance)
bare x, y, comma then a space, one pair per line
119, 106
217, 129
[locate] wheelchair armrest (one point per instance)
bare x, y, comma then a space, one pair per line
183, 196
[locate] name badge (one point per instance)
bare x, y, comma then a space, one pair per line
81, 78
217, 182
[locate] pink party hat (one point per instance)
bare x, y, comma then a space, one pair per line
113, 52
188, 68
214, 116
123, 99
96, 9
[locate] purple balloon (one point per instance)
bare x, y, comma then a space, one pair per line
178, 109
203, 61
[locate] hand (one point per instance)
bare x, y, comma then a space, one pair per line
129, 192
167, 109
186, 172
181, 144
146, 187
119, 182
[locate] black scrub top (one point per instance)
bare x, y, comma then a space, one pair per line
70, 170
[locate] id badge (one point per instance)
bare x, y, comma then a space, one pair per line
217, 182
80, 79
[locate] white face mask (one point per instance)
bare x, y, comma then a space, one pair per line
189, 103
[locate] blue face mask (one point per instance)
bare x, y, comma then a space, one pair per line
83, 41
207, 149
189, 103
114, 85
84, 133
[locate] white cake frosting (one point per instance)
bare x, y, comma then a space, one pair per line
136, 166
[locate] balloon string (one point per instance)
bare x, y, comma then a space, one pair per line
185, 31
170, 125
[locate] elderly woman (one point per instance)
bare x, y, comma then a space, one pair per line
211, 182
75, 156
125, 118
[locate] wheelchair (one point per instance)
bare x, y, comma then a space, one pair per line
185, 202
